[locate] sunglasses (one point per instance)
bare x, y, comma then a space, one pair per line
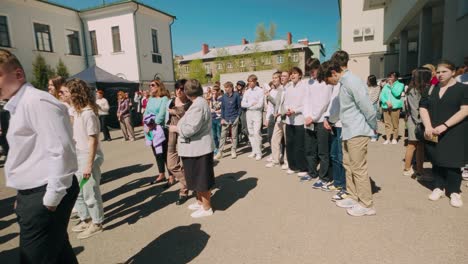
152, 85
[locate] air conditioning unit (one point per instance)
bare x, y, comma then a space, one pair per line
368, 31
357, 33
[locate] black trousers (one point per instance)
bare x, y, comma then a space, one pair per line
43, 234
104, 128
317, 151
449, 179
161, 158
295, 148
270, 128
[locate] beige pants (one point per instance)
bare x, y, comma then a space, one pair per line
127, 128
355, 164
278, 134
175, 168
392, 119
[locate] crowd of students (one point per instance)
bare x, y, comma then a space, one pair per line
318, 128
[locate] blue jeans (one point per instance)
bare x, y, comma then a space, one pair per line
336, 157
216, 130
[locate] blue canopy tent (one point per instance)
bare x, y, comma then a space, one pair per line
99, 79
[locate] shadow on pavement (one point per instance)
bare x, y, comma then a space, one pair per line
6, 207
78, 250
113, 175
374, 187
10, 256
133, 208
179, 245
8, 237
231, 189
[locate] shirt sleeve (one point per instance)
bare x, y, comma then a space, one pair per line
53, 128
161, 116
364, 104
192, 122
105, 106
91, 123
397, 89
259, 98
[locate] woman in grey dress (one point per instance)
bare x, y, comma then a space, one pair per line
421, 80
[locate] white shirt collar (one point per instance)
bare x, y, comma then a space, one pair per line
14, 101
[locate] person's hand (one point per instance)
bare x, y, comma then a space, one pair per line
223, 122
439, 130
308, 121
428, 132
267, 93
265, 123
389, 105
173, 129
51, 208
326, 125
172, 112
87, 172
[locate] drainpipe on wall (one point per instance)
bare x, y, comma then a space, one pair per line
85, 47
136, 42
172, 51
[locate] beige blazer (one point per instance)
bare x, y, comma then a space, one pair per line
195, 138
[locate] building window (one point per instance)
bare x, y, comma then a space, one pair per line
295, 57
186, 68
116, 39
154, 37
229, 65
157, 58
94, 47
266, 61
207, 68
4, 34
219, 66
43, 38
73, 38
242, 63
280, 59
254, 62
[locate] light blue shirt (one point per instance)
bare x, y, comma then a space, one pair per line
357, 113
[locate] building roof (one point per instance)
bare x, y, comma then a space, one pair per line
266, 46
107, 5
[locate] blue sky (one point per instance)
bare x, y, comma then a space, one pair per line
222, 23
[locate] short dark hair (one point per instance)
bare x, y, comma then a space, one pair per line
193, 88
296, 70
394, 74
372, 80
253, 77
341, 57
180, 83
312, 64
327, 67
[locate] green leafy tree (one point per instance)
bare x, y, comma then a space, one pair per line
62, 70
42, 72
197, 71
262, 34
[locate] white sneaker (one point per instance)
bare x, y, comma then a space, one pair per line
258, 157
373, 140
269, 159
359, 210
285, 167
233, 154
436, 194
346, 203
455, 200
218, 156
290, 171
202, 213
302, 174
386, 142
81, 226
408, 173
92, 230
271, 165
252, 155
394, 142
195, 206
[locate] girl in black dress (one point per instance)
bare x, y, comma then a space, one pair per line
444, 111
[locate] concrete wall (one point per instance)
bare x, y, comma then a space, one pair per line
146, 20
455, 37
398, 13
22, 14
124, 63
353, 17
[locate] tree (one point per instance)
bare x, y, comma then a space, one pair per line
42, 72
262, 34
288, 62
197, 71
62, 70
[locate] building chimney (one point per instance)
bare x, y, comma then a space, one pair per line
244, 41
304, 41
205, 48
289, 38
